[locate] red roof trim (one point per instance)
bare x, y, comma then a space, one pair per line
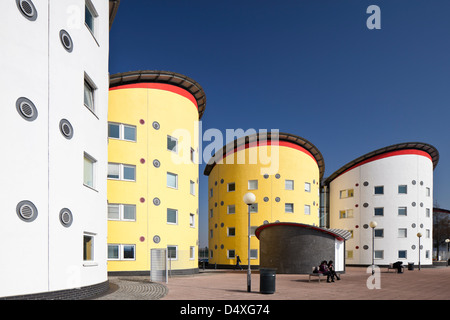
159, 86
280, 143
391, 154
300, 225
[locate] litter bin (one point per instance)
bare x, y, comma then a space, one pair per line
410, 265
267, 280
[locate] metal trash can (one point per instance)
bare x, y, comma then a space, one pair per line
267, 280
410, 265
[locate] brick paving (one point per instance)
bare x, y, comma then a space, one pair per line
424, 284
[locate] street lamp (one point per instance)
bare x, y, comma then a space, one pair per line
249, 199
448, 244
373, 225
419, 235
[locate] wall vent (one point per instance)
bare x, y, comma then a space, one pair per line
66, 217
27, 9
26, 211
66, 40
66, 128
26, 109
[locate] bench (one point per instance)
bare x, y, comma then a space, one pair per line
319, 275
391, 266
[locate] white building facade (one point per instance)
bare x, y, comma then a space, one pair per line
54, 61
392, 187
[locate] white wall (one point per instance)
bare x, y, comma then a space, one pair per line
389, 172
41, 165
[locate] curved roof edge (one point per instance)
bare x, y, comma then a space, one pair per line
431, 150
440, 210
167, 77
267, 136
113, 7
337, 233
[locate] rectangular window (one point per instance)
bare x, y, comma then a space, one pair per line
191, 253
128, 252
427, 212
172, 216
253, 253
427, 233
252, 184
114, 130
113, 252
89, 93
231, 232
307, 187
88, 247
211, 213
192, 220
121, 131
90, 15
307, 209
379, 190
403, 189
378, 233
172, 180
192, 155
231, 254
192, 187
379, 211
344, 214
123, 212
89, 171
231, 187
289, 184
211, 192
129, 172
402, 254
253, 208
428, 192
172, 252
120, 171
231, 209
289, 207
402, 211
402, 232
211, 233
172, 144
252, 230
379, 254
348, 193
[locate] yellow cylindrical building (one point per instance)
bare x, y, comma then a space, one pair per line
284, 173
153, 170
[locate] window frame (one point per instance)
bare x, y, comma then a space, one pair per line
287, 205
285, 184
234, 186
401, 186
93, 161
176, 144
92, 89
121, 212
176, 180
122, 167
378, 193
176, 216
89, 6
122, 127
248, 184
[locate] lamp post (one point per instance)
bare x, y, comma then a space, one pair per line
419, 235
373, 225
249, 199
448, 244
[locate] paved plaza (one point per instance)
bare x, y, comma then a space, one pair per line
425, 284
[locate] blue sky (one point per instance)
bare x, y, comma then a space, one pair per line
311, 68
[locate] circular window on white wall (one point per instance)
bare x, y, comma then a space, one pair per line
66, 128
27, 9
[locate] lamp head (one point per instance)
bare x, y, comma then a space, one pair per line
249, 198
373, 224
